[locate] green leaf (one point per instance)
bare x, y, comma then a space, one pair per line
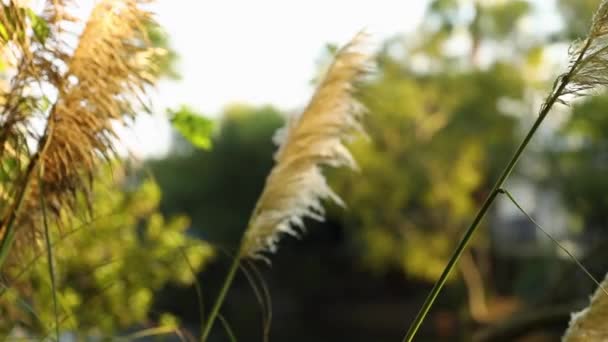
3, 33
192, 126
8, 167
39, 25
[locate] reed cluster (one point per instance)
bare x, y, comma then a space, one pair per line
62, 103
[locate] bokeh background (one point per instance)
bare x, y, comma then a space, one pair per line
452, 97
458, 84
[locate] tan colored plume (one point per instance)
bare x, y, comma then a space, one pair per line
589, 57
106, 76
591, 324
296, 186
99, 83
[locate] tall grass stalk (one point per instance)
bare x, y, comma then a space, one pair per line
227, 327
49, 256
296, 186
220, 297
588, 69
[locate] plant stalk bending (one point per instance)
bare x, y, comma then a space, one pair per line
221, 296
468, 234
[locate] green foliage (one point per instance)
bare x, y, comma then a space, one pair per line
434, 141
167, 62
108, 267
577, 14
3, 32
194, 127
492, 19
480, 20
218, 188
498, 20
39, 25
579, 162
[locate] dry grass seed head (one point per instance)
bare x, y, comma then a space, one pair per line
589, 57
106, 77
296, 185
589, 325
32, 64
99, 83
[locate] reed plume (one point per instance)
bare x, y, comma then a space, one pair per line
106, 75
296, 186
99, 84
589, 325
589, 57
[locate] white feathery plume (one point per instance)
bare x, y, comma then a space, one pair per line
591, 324
589, 57
296, 186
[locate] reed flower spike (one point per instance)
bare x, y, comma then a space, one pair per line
589, 325
589, 57
99, 83
296, 185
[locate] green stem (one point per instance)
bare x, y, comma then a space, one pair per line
49, 255
221, 296
227, 327
197, 286
430, 299
9, 221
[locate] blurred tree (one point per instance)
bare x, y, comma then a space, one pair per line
576, 14
577, 156
436, 141
444, 119
581, 160
481, 22
168, 60
443, 122
99, 264
218, 189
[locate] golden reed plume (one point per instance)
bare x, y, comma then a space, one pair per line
98, 84
296, 185
106, 75
589, 325
589, 57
